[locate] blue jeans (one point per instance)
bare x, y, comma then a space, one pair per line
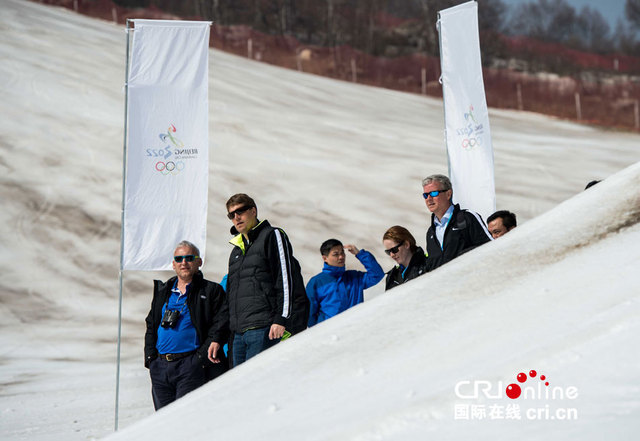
251, 343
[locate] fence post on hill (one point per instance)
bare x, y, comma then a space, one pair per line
636, 114
354, 72
424, 81
578, 107
75, 5
519, 96
250, 49
114, 15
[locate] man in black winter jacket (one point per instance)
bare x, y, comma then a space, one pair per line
186, 328
266, 294
453, 230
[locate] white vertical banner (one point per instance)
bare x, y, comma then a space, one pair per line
167, 142
468, 136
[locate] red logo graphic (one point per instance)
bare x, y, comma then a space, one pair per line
514, 390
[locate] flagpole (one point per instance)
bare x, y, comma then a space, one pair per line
124, 170
444, 107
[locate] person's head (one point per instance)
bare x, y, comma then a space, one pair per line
437, 193
242, 211
332, 252
501, 222
399, 244
186, 260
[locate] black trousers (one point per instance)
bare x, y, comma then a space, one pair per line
171, 380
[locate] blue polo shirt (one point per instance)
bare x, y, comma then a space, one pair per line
183, 337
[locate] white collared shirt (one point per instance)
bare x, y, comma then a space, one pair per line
441, 225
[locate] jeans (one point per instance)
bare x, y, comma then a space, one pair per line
171, 380
251, 343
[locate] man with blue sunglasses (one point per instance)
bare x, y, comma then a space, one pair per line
453, 230
186, 328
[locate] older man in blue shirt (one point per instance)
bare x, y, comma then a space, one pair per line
186, 328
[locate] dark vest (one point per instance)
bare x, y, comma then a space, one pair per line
252, 283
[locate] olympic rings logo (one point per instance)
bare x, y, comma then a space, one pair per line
169, 167
469, 143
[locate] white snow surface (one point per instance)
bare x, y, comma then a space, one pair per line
322, 158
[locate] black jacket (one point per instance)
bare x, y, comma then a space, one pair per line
417, 267
465, 231
265, 284
208, 308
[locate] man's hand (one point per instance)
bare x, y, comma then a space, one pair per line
212, 353
276, 331
352, 249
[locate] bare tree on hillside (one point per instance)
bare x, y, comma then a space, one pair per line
546, 20
557, 21
632, 11
625, 38
593, 31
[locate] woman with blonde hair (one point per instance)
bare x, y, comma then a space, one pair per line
411, 260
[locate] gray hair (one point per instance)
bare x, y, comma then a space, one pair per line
442, 179
186, 243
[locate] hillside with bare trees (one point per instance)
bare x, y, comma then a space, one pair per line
543, 57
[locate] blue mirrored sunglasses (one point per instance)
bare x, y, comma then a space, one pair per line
187, 258
433, 194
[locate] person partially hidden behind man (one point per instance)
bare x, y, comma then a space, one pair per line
266, 296
336, 289
501, 222
453, 230
411, 261
186, 328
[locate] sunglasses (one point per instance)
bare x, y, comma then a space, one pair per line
187, 258
240, 210
433, 194
393, 250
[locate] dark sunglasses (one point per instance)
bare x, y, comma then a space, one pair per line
433, 194
187, 258
240, 210
393, 250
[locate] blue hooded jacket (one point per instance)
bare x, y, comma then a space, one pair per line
335, 289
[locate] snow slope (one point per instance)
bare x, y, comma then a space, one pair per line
322, 158
563, 301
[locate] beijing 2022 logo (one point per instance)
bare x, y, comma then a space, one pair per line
471, 133
170, 159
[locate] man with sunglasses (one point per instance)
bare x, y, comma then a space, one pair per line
453, 230
186, 328
336, 289
266, 296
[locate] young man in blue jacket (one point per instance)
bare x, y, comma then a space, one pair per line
335, 289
